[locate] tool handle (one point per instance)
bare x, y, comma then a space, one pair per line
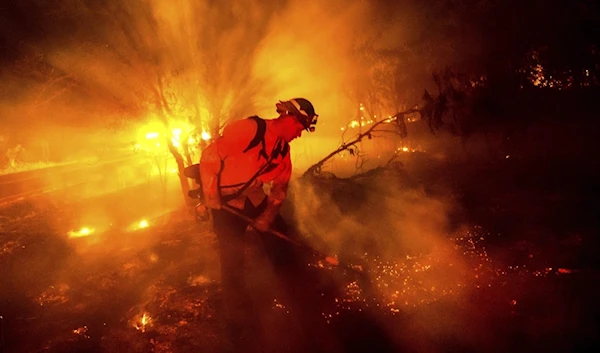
329, 259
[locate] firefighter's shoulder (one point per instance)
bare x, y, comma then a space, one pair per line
242, 131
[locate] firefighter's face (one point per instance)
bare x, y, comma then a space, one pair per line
291, 128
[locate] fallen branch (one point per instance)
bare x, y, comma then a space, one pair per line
315, 169
391, 162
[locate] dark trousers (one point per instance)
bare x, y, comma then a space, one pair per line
230, 231
289, 264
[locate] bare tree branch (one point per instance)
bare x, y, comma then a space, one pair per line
315, 169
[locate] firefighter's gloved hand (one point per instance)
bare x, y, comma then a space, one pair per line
263, 222
201, 212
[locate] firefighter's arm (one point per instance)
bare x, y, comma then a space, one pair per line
280, 183
210, 169
276, 196
235, 138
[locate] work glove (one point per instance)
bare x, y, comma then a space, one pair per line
201, 212
263, 222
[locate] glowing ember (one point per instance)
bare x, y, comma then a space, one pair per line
55, 294
422, 279
83, 232
143, 224
81, 331
405, 149
142, 322
438, 276
278, 305
9, 247
199, 280
152, 135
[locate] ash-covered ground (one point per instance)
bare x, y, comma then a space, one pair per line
455, 258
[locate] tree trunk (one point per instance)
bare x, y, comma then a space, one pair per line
185, 146
183, 180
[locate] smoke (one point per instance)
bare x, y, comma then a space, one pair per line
421, 267
308, 53
97, 64
382, 214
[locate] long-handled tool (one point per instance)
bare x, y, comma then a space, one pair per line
329, 259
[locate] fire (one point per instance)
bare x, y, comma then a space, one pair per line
142, 224
83, 232
407, 149
143, 321
367, 119
154, 132
205, 136
176, 137
82, 331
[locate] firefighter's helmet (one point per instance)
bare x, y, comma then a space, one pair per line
300, 108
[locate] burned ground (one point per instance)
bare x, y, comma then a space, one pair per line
476, 263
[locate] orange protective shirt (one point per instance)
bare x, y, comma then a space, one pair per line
225, 167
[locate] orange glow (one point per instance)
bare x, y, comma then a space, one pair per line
82, 331
142, 321
142, 224
83, 232
153, 135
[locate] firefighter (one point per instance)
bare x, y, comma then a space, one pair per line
250, 153
233, 169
